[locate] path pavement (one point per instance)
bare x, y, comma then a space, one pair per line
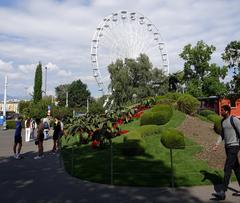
45, 181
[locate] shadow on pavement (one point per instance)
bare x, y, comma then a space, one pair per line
44, 180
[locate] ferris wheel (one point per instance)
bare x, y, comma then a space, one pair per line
125, 35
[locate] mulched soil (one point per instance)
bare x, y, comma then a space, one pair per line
202, 133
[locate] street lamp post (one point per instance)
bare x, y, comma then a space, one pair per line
5, 105
46, 81
66, 98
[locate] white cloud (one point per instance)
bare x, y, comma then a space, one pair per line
59, 34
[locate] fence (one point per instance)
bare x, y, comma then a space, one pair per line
109, 166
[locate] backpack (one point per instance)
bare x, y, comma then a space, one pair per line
45, 125
234, 127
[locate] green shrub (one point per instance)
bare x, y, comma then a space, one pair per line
133, 144
172, 139
146, 118
148, 130
162, 107
155, 118
216, 119
70, 140
11, 124
166, 101
187, 104
206, 112
173, 95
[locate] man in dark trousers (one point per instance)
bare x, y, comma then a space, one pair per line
229, 134
18, 138
40, 138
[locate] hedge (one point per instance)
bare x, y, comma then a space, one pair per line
172, 139
134, 144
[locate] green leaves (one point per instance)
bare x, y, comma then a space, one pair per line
37, 94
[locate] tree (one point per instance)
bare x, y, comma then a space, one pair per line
199, 74
61, 94
134, 77
37, 94
120, 81
159, 82
211, 83
231, 56
77, 94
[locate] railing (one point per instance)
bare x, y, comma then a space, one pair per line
115, 169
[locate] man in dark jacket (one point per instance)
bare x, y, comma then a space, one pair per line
18, 139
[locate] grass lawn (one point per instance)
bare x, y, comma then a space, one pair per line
151, 169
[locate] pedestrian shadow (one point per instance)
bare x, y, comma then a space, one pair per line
214, 178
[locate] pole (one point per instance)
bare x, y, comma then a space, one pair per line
5, 105
87, 105
46, 81
66, 98
172, 173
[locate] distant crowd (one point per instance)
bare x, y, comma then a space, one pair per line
37, 130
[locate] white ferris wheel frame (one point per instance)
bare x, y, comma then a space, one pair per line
113, 18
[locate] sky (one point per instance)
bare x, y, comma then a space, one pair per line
59, 34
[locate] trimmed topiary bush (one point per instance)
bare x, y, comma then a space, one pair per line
163, 107
187, 104
172, 139
216, 119
146, 118
148, 130
133, 144
206, 112
155, 117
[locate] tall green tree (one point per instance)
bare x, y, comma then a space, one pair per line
37, 93
77, 94
130, 78
61, 92
199, 73
231, 56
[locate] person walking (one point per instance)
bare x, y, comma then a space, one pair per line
40, 138
230, 131
56, 133
27, 129
46, 125
18, 139
33, 127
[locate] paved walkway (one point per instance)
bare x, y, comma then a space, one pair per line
45, 181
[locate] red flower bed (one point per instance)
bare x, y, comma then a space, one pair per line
95, 144
123, 132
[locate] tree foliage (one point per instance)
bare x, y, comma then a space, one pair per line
37, 94
231, 56
77, 94
202, 78
135, 77
61, 94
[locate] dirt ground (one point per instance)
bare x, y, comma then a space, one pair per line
202, 133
